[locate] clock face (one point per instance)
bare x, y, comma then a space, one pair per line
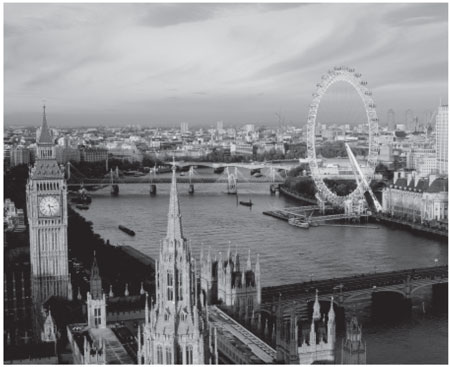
49, 206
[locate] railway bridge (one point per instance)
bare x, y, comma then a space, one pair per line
350, 289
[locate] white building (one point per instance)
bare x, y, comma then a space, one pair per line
423, 160
415, 198
442, 140
184, 127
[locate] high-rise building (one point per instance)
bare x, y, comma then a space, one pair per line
442, 140
184, 127
47, 219
391, 119
20, 155
174, 331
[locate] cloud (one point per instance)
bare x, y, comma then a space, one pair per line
203, 62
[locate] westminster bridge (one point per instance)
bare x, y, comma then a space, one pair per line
351, 289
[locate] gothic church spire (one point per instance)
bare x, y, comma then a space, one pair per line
96, 280
174, 227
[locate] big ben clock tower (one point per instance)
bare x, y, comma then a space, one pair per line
47, 219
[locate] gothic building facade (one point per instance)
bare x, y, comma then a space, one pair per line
96, 299
303, 346
234, 286
46, 193
175, 330
353, 346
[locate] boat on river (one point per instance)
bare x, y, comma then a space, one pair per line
298, 223
127, 230
246, 203
82, 206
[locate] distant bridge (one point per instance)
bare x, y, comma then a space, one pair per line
116, 178
249, 166
161, 180
352, 288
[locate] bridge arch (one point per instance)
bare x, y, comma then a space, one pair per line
426, 285
369, 293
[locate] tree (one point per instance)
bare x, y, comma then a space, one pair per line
14, 182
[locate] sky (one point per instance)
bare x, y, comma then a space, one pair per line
161, 64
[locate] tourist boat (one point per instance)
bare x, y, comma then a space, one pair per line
246, 203
127, 230
82, 198
296, 222
82, 206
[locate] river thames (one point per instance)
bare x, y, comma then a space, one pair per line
288, 254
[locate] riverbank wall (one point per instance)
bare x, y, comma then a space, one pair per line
411, 227
285, 191
119, 267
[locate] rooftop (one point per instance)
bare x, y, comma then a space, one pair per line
115, 350
47, 169
243, 339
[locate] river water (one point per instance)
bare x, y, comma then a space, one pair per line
287, 254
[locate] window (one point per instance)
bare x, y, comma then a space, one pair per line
180, 286
168, 355
179, 355
97, 316
159, 355
189, 355
169, 286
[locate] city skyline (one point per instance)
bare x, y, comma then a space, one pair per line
155, 64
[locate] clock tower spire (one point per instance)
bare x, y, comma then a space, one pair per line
47, 219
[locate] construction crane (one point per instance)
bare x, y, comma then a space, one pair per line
361, 180
428, 123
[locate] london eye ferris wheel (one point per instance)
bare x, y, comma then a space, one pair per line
354, 79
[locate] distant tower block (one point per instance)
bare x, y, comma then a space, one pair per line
353, 347
391, 119
409, 119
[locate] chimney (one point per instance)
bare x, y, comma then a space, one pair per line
402, 174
